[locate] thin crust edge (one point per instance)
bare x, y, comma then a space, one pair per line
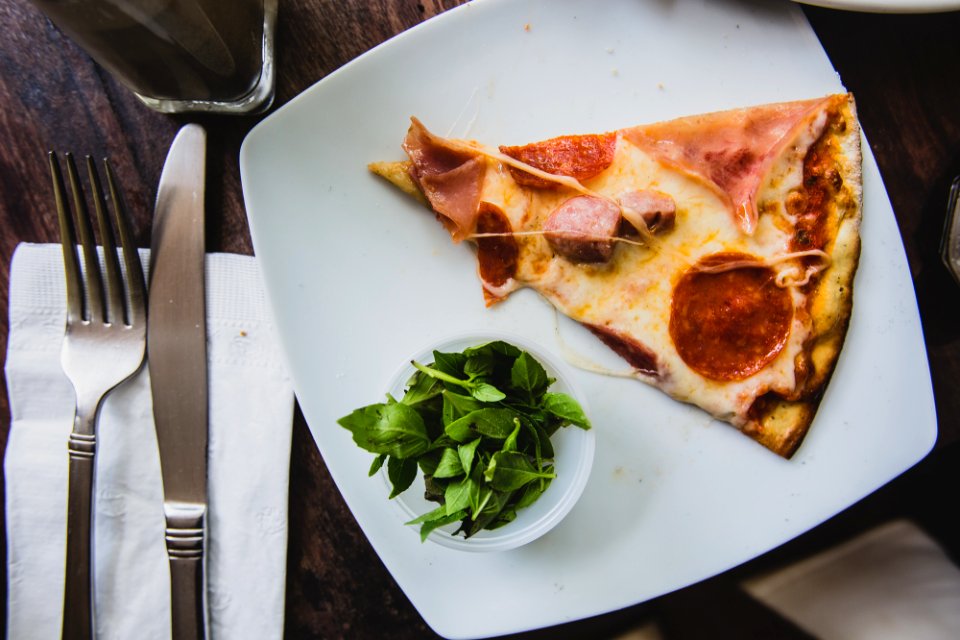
782, 425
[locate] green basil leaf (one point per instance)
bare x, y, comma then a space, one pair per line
466, 453
400, 432
436, 514
510, 444
544, 444
461, 430
535, 438
495, 503
393, 429
495, 346
506, 516
428, 461
402, 472
510, 470
550, 424
492, 422
377, 464
479, 363
433, 489
448, 413
456, 406
457, 496
479, 503
566, 408
497, 423
449, 363
485, 392
361, 422
531, 492
438, 374
431, 410
529, 376
421, 388
479, 494
449, 466
427, 527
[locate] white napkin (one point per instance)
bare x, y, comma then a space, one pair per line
251, 407
892, 582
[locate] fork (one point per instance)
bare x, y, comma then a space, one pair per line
103, 345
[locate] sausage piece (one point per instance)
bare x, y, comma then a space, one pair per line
582, 229
657, 210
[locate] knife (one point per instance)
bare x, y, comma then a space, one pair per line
177, 360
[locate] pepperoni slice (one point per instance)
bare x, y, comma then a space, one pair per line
497, 255
581, 157
728, 318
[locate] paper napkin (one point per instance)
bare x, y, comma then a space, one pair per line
251, 406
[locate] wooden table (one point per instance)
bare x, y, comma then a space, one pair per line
904, 70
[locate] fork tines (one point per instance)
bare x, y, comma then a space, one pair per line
103, 345
90, 303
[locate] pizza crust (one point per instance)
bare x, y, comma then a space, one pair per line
398, 174
780, 424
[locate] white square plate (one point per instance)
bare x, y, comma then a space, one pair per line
360, 278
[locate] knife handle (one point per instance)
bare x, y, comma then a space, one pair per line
78, 588
185, 532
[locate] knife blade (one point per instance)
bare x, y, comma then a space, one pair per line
177, 361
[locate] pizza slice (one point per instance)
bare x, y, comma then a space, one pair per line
715, 253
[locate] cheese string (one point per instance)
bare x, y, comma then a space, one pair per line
786, 277
567, 234
579, 361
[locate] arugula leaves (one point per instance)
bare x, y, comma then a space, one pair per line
477, 424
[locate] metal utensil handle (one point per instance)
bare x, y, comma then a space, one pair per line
78, 589
185, 532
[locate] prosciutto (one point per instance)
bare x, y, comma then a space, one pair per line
450, 178
733, 149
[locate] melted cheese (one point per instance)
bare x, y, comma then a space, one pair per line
632, 293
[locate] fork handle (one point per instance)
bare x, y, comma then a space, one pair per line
78, 590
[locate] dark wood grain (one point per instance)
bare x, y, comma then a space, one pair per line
904, 71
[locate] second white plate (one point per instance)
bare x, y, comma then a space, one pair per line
887, 6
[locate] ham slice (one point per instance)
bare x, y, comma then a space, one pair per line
449, 177
732, 150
